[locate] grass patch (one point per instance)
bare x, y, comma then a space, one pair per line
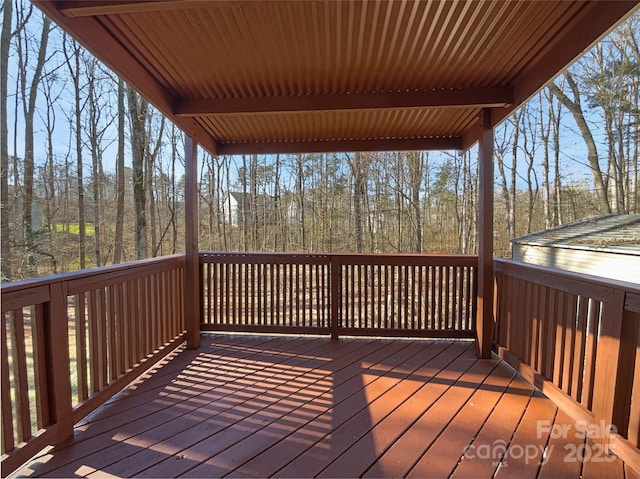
74, 228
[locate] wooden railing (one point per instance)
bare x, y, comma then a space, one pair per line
577, 338
71, 341
355, 294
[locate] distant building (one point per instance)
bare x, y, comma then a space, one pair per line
605, 246
239, 208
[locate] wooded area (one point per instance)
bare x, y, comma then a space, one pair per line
93, 175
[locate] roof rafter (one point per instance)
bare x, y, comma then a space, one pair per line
462, 97
90, 8
337, 146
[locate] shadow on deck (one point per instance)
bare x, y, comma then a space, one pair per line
258, 406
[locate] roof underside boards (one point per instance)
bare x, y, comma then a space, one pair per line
301, 76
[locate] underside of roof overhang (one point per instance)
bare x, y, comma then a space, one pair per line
297, 76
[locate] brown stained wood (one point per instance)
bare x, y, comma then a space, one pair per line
607, 357
443, 455
120, 422
14, 297
625, 417
631, 473
83, 281
132, 321
595, 308
441, 415
344, 395
434, 422
145, 314
485, 235
525, 451
570, 343
601, 468
94, 344
103, 335
81, 347
122, 327
251, 423
112, 347
20, 378
352, 376
348, 424
405, 450
191, 293
250, 406
560, 336
565, 438
579, 348
496, 432
40, 359
8, 440
58, 372
536, 329
527, 336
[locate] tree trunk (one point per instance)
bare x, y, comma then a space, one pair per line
137, 118
358, 174
575, 107
5, 42
415, 169
120, 192
29, 106
74, 71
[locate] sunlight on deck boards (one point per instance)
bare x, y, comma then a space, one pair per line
258, 406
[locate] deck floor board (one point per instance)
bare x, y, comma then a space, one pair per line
266, 406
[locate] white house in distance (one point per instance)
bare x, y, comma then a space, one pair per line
605, 246
238, 208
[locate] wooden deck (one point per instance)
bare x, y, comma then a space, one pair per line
258, 406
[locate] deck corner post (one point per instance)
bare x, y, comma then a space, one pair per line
192, 257
607, 379
484, 320
57, 337
335, 295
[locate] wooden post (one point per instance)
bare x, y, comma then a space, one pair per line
58, 372
485, 237
192, 260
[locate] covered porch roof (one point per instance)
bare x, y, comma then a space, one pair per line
243, 77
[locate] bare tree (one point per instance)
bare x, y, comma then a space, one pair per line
120, 188
138, 110
74, 71
575, 108
5, 45
29, 95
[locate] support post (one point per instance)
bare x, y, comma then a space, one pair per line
58, 370
484, 320
192, 260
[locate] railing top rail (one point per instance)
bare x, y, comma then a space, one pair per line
345, 258
132, 266
537, 273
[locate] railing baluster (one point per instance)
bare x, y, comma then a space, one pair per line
81, 347
39, 355
8, 441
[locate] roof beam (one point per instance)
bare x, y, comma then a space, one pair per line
337, 146
490, 97
90, 8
